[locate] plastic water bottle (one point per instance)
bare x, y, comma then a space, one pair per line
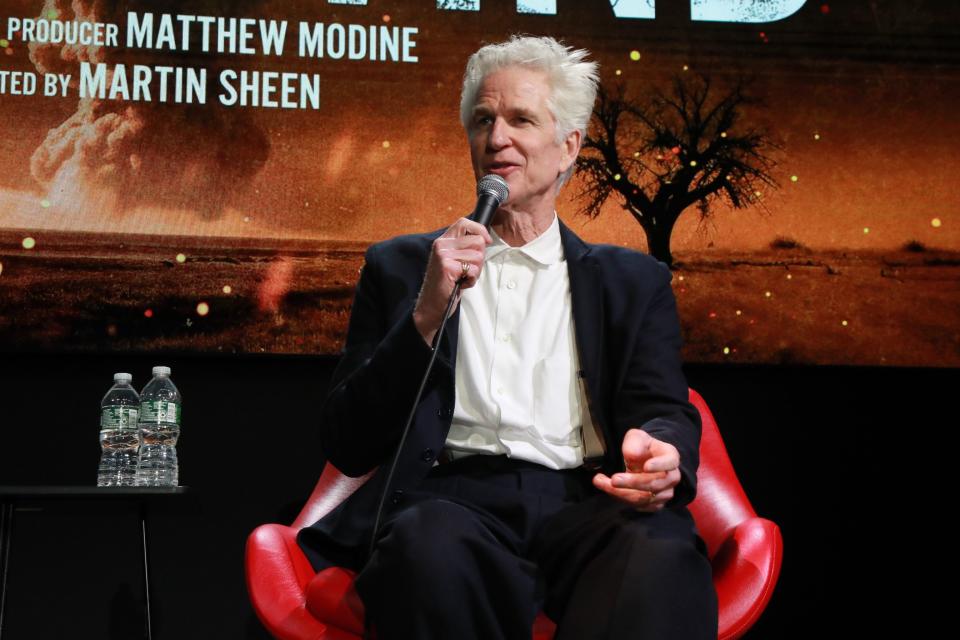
160, 406
119, 435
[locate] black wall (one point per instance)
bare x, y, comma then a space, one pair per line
843, 459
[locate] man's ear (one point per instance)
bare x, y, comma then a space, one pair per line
570, 149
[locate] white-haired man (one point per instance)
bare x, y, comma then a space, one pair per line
497, 510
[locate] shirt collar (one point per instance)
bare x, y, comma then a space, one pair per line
545, 249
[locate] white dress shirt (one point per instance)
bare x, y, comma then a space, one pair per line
517, 391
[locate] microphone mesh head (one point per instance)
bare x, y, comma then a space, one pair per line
495, 186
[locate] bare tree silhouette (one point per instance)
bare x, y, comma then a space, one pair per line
665, 151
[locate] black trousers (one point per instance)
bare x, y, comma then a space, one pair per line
486, 542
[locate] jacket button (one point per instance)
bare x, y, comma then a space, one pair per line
427, 455
397, 495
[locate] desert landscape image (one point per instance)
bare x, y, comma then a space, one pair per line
806, 167
786, 305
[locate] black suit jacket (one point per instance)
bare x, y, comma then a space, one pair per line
627, 333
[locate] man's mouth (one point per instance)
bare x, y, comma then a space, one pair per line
502, 168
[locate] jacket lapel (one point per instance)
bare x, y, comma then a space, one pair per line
586, 298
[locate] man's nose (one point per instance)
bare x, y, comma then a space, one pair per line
499, 134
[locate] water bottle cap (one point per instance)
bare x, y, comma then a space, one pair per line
161, 371
122, 377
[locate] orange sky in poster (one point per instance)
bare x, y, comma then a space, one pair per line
871, 140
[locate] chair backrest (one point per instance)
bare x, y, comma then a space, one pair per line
721, 502
332, 488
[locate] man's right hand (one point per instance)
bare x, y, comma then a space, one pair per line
463, 243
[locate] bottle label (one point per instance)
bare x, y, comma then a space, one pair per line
118, 418
160, 411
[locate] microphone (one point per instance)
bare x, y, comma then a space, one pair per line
492, 191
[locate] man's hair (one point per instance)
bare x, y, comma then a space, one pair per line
572, 79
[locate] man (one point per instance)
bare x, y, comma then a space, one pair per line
514, 519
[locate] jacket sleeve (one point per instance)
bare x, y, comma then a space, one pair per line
373, 387
654, 395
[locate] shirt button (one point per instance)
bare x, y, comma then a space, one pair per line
427, 455
512, 284
500, 391
397, 495
505, 337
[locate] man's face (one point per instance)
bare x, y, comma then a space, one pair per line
512, 134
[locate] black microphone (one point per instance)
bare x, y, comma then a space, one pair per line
492, 191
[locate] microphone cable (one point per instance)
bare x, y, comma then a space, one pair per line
491, 191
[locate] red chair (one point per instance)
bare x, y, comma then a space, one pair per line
296, 604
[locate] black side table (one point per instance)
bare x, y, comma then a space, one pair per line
12, 496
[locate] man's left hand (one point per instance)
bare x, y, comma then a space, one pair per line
652, 471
